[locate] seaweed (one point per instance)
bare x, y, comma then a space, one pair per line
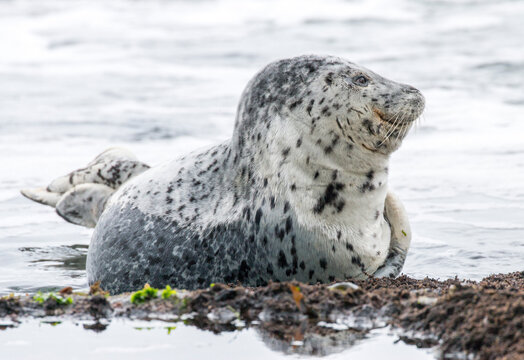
146, 294
41, 298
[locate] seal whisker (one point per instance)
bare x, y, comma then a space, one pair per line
396, 123
390, 130
396, 118
401, 129
405, 129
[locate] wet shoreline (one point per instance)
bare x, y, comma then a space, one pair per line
460, 319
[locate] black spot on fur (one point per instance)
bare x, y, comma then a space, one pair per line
293, 105
329, 78
369, 126
258, 216
367, 186
310, 107
330, 197
356, 260
243, 271
282, 261
323, 263
269, 269
289, 224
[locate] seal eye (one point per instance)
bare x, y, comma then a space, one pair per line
360, 80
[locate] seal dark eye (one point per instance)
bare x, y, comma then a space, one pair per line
360, 80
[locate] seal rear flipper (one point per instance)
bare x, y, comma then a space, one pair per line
397, 218
84, 203
112, 167
42, 196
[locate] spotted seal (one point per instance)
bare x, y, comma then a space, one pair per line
299, 192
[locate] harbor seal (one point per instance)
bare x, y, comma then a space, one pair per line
299, 192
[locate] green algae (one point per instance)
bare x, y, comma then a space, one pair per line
150, 293
168, 292
60, 300
146, 294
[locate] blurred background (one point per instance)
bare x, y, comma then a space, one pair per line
163, 77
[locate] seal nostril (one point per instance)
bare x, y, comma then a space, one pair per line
410, 89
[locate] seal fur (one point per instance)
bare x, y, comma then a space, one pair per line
80, 196
298, 193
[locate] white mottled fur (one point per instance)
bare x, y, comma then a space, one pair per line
356, 221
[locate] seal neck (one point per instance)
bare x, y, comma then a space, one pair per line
330, 187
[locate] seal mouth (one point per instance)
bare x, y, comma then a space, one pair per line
400, 118
368, 148
382, 117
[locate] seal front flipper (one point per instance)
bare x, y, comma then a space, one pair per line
83, 204
397, 218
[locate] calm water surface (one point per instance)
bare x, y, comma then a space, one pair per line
163, 77
156, 339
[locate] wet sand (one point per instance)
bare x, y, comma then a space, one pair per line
460, 319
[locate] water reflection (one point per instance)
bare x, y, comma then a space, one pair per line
162, 338
71, 258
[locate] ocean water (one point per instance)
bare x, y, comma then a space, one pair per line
163, 77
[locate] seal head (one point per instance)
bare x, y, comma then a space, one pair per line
330, 96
